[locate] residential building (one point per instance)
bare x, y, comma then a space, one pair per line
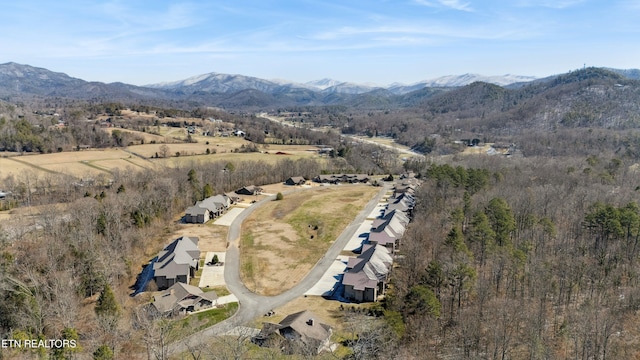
295, 180
177, 262
249, 190
366, 276
299, 333
181, 299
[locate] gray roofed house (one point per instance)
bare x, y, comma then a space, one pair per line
367, 275
301, 332
197, 214
181, 298
402, 217
207, 209
249, 190
233, 198
177, 262
388, 233
295, 180
403, 204
407, 197
330, 179
345, 178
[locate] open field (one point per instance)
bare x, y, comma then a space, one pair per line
230, 157
77, 163
216, 144
282, 240
14, 166
90, 163
147, 137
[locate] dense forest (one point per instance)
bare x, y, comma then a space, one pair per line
519, 259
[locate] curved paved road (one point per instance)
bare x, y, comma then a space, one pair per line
252, 305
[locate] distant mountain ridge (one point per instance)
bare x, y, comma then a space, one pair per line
215, 82
245, 92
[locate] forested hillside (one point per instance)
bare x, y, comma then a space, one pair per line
519, 259
551, 117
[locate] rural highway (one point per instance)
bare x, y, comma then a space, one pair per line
252, 305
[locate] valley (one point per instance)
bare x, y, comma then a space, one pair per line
509, 214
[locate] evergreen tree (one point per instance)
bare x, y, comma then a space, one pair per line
207, 191
422, 300
107, 304
103, 353
502, 220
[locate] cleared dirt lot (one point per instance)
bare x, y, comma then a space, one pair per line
212, 237
282, 240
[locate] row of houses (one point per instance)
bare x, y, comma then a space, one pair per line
208, 208
214, 206
367, 275
342, 178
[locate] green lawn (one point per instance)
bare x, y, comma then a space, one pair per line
202, 320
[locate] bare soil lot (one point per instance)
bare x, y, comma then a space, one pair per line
282, 240
211, 237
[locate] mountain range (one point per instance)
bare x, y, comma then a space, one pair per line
239, 91
224, 83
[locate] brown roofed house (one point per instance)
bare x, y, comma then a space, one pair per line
295, 180
298, 333
181, 298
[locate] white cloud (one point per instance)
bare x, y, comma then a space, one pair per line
450, 4
553, 4
431, 32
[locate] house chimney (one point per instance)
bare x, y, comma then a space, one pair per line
310, 322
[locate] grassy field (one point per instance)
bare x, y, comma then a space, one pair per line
147, 137
91, 163
282, 240
85, 163
215, 145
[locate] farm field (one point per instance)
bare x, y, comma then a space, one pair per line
147, 137
85, 163
90, 163
9, 166
282, 240
231, 157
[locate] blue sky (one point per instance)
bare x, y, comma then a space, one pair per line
374, 41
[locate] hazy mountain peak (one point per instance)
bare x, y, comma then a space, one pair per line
323, 84
468, 78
